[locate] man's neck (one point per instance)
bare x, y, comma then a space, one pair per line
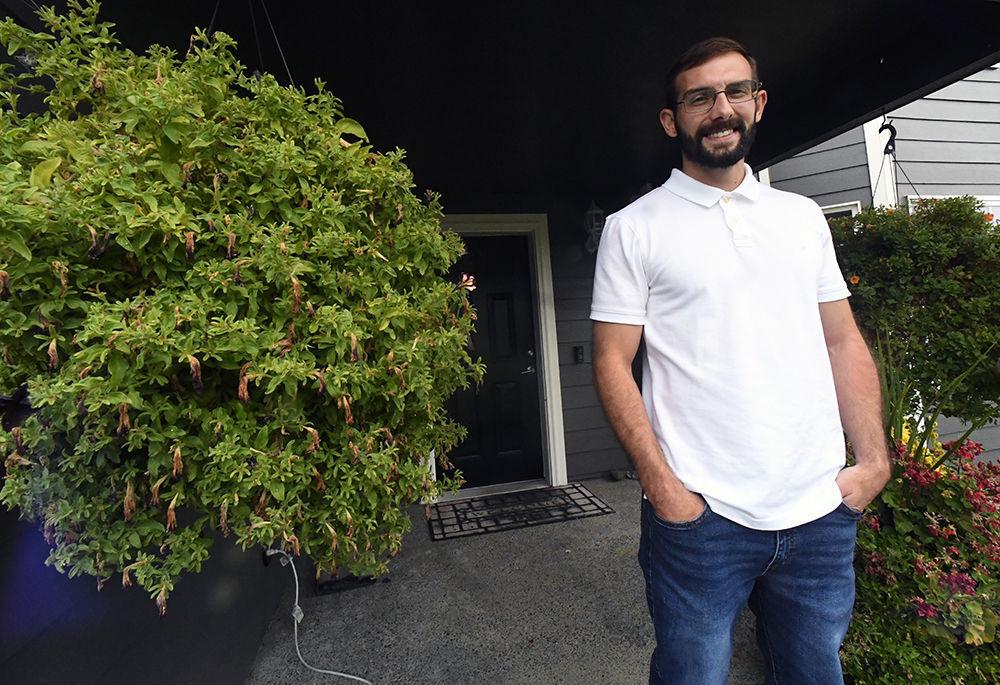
728, 178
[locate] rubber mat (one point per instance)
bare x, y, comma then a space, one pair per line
507, 511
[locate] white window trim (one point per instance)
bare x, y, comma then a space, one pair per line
536, 227
854, 206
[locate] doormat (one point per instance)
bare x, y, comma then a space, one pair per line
494, 513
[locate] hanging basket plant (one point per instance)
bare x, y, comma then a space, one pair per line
229, 312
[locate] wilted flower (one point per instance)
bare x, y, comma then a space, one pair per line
467, 282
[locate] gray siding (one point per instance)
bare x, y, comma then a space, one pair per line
832, 172
989, 436
948, 143
591, 446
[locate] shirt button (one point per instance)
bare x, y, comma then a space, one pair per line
725, 199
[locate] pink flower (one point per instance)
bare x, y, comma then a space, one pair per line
924, 610
958, 582
874, 522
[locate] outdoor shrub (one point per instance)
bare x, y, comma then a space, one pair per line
229, 312
928, 553
930, 280
928, 569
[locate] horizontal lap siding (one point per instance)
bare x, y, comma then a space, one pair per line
948, 143
988, 436
591, 446
833, 172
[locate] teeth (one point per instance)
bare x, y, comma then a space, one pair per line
721, 134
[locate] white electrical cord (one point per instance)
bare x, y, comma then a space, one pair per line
297, 617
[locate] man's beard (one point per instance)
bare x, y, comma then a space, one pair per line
694, 149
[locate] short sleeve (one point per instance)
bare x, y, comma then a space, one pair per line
621, 288
830, 285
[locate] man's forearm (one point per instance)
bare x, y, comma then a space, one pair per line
627, 415
859, 398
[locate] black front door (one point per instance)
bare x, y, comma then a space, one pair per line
504, 442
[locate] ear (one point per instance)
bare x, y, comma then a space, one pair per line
761, 101
668, 123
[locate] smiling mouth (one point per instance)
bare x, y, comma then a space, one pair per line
721, 135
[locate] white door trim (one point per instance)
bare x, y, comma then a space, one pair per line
536, 227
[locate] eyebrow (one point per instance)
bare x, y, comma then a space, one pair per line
695, 90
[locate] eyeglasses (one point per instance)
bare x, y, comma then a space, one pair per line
700, 100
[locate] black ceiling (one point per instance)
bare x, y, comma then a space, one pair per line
539, 98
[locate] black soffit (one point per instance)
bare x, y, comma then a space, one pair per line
551, 98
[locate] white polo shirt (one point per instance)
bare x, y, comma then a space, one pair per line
736, 376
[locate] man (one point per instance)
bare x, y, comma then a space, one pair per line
753, 370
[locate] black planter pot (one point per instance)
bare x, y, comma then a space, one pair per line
55, 629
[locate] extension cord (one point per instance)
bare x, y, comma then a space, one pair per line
297, 615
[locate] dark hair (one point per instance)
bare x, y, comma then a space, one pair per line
698, 54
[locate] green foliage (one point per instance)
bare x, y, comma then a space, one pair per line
229, 310
928, 569
928, 551
930, 280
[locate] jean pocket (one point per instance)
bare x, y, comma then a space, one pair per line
677, 525
849, 510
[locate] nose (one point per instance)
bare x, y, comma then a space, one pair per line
722, 107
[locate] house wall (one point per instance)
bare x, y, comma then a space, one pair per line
947, 143
989, 436
831, 173
591, 446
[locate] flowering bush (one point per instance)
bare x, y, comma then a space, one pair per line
928, 551
928, 562
229, 312
930, 279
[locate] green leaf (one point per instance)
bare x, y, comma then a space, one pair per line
16, 242
117, 366
43, 146
123, 240
171, 172
347, 125
41, 175
278, 490
173, 132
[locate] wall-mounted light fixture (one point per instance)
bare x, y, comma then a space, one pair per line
593, 224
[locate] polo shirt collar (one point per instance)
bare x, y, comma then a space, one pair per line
686, 187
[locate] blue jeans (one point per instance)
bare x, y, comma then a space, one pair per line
798, 582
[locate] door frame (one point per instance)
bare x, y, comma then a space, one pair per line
536, 228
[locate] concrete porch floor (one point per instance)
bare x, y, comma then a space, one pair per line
560, 603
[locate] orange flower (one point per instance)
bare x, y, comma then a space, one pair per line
988, 216
889, 210
855, 279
